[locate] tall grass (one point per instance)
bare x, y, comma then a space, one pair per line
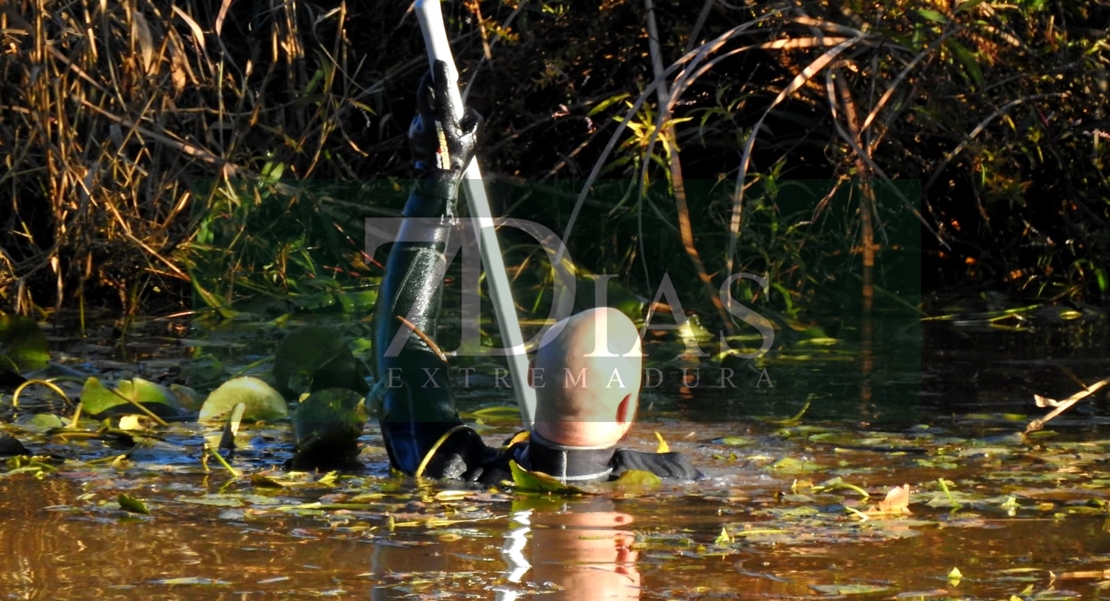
113, 110
886, 95
130, 131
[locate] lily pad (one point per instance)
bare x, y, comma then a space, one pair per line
315, 358
22, 344
98, 401
263, 403
327, 425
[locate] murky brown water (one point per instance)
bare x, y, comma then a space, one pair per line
783, 516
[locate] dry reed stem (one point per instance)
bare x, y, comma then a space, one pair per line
119, 107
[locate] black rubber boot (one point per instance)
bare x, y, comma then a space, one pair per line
418, 407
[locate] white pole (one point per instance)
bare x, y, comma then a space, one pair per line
435, 38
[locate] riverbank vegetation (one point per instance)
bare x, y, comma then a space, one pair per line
230, 152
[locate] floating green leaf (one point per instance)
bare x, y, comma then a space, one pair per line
639, 478
264, 481
538, 481
735, 441
790, 465
99, 401
263, 403
41, 422
314, 358
327, 425
723, 539
131, 504
22, 344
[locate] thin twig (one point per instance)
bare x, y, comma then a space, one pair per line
1066, 404
139, 406
427, 339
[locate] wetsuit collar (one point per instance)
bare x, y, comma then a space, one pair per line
569, 464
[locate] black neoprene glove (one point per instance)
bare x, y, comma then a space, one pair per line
442, 143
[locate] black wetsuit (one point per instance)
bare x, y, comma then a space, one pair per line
420, 425
422, 430
464, 455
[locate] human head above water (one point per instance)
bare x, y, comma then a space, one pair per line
587, 379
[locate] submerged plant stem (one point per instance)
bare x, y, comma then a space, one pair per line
47, 383
208, 451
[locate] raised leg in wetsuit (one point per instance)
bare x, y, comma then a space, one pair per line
418, 409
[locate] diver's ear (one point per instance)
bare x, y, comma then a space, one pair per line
626, 410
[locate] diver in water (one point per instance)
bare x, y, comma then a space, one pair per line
586, 372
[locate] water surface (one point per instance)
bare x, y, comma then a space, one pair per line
783, 516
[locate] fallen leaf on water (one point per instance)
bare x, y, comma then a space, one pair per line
897, 501
451, 495
538, 481
723, 538
639, 478
265, 481
131, 504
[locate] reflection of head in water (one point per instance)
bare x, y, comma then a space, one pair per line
585, 549
587, 379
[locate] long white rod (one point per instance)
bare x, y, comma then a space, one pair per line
435, 38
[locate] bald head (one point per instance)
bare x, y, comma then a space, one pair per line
587, 379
